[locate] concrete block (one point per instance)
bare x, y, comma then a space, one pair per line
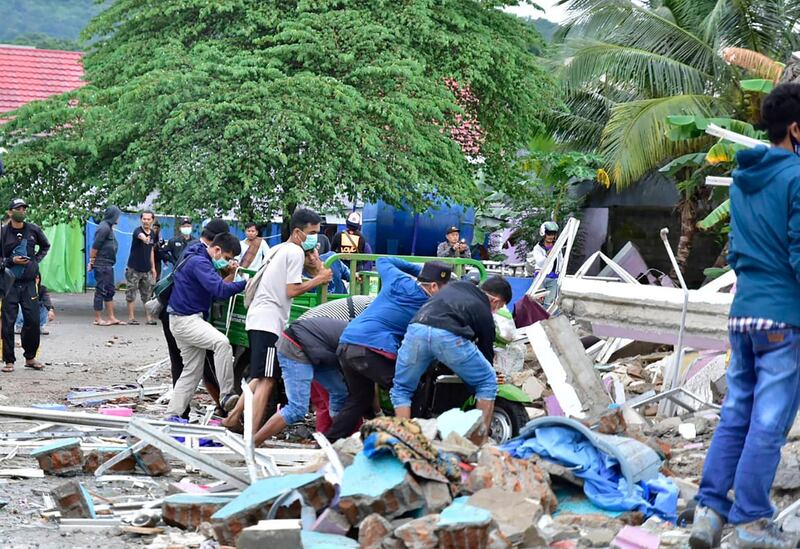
254, 503
533, 388
468, 424
152, 461
332, 522
189, 511
318, 540
275, 534
379, 485
437, 495
498, 469
420, 533
73, 500
461, 526
62, 458
372, 530
514, 513
98, 456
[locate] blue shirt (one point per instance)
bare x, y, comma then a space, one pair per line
197, 284
340, 273
764, 246
383, 325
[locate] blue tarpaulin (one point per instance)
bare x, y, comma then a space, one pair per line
604, 484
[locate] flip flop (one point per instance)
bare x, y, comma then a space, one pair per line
101, 323
7, 369
35, 366
133, 322
151, 323
117, 323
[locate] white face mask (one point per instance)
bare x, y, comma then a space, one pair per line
186, 231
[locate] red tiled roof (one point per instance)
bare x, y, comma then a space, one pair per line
27, 74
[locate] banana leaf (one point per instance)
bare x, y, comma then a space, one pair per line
691, 160
758, 85
713, 273
720, 214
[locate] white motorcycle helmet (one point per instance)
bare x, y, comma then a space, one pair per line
548, 227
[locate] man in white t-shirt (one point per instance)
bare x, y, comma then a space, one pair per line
269, 312
254, 248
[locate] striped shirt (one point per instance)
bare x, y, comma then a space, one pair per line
744, 324
340, 309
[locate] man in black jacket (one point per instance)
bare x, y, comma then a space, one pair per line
176, 246
455, 327
102, 258
19, 241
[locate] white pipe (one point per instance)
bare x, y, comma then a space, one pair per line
666, 407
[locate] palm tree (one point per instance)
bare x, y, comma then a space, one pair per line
626, 66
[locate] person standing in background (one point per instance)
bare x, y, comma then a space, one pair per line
158, 249
350, 241
141, 272
19, 241
453, 246
102, 258
254, 248
176, 246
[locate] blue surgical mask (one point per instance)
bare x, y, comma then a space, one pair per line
186, 231
220, 263
310, 242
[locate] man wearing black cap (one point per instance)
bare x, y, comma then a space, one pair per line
20, 241
453, 246
368, 347
177, 245
210, 232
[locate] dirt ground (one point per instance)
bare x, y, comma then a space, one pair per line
76, 353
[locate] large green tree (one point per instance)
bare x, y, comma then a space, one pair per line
255, 106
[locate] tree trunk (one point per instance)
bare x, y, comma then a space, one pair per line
688, 211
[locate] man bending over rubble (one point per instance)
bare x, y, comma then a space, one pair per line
368, 346
764, 372
456, 328
197, 284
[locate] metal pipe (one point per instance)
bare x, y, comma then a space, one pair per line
667, 407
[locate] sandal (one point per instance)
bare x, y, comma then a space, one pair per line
8, 368
133, 322
117, 323
35, 365
101, 323
151, 323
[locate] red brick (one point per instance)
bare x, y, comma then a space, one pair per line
419, 533
73, 501
63, 463
397, 501
96, 458
152, 461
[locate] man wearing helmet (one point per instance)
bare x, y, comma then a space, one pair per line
538, 257
350, 241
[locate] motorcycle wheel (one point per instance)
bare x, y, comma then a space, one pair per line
508, 418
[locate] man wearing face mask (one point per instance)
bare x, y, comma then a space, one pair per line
368, 347
763, 377
196, 284
20, 241
177, 245
269, 311
456, 328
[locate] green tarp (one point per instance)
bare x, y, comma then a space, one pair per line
63, 269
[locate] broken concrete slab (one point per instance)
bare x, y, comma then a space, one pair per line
461, 525
62, 458
95, 458
533, 388
275, 534
372, 530
498, 469
514, 513
378, 485
569, 370
318, 540
437, 495
420, 533
73, 500
189, 511
467, 424
256, 501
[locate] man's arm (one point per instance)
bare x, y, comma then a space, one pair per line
44, 297
212, 282
391, 267
294, 277
44, 245
445, 249
484, 331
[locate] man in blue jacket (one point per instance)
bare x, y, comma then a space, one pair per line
196, 284
764, 372
368, 347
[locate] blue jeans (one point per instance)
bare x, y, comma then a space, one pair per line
297, 378
42, 318
759, 409
422, 345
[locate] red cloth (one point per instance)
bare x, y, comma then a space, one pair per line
320, 400
528, 311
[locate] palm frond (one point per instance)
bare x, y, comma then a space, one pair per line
690, 14
651, 74
635, 139
754, 62
757, 25
581, 123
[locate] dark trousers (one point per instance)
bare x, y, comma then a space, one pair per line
362, 369
176, 360
23, 295
104, 287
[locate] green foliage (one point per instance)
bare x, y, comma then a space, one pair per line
628, 64
256, 106
759, 85
56, 19
721, 214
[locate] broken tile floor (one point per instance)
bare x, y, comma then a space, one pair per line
204, 496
